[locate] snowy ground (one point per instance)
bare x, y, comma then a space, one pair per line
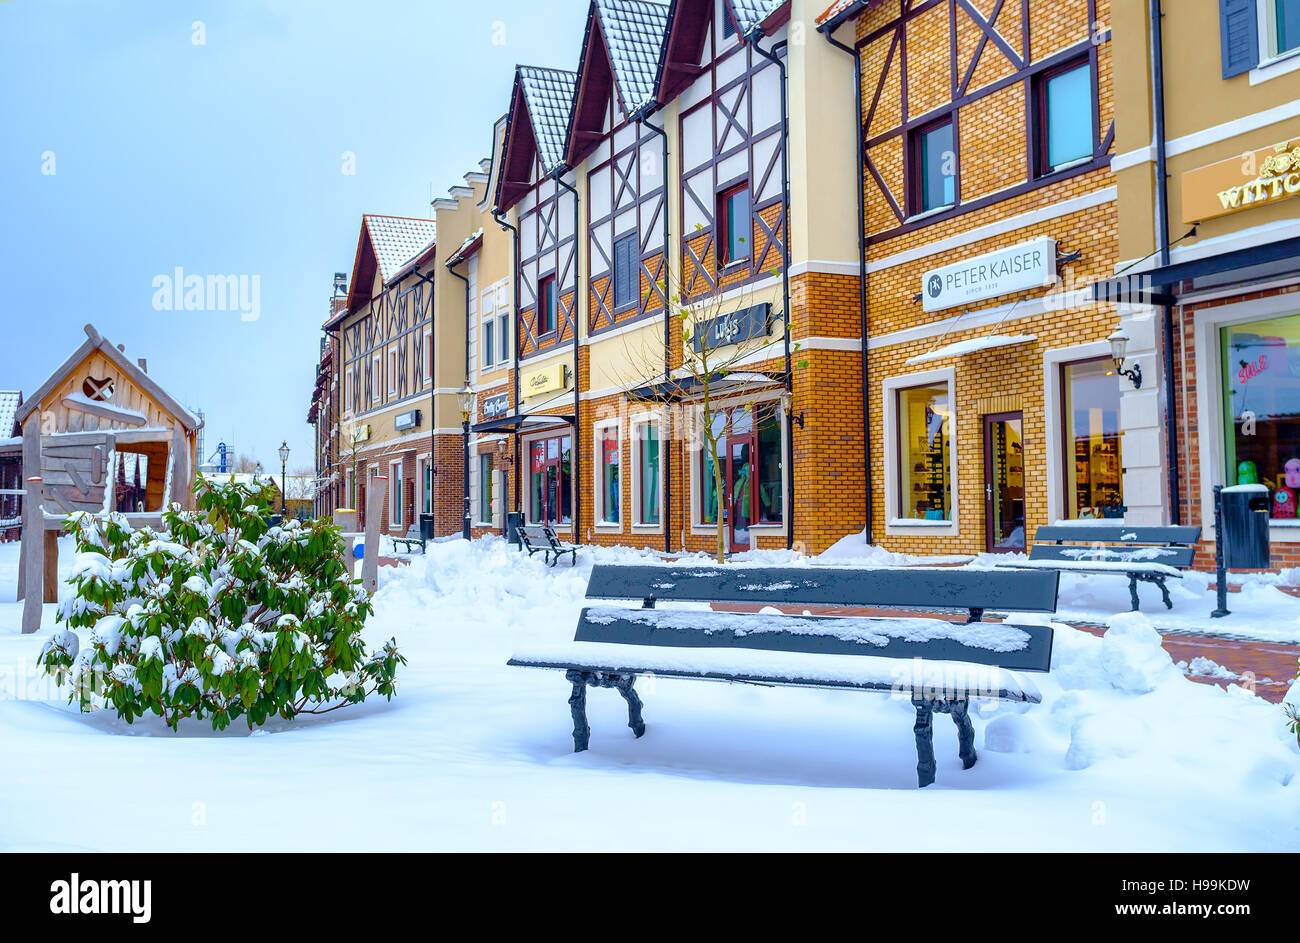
1123, 754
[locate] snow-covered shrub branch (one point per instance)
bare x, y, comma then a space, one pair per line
221, 615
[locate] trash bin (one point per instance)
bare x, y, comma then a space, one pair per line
514, 524
426, 526
1245, 527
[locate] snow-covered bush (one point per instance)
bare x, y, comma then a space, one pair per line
220, 615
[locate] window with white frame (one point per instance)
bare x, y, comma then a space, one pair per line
392, 370
609, 475
923, 423
425, 340
494, 332
647, 473
503, 322
376, 377
486, 491
426, 486
395, 493
1279, 25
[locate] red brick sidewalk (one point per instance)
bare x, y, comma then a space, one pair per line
1268, 667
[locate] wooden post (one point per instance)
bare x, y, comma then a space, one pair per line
374, 509
51, 575
33, 551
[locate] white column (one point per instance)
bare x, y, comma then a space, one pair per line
1141, 419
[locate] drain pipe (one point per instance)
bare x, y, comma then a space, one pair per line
862, 272
514, 331
751, 38
575, 479
1162, 242
641, 118
451, 264
433, 383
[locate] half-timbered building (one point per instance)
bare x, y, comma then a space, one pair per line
386, 355
986, 131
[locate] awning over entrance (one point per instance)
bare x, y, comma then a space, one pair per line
1162, 285
677, 389
520, 420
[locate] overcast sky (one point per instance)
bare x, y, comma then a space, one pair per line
216, 136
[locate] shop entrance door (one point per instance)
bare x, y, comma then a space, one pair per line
549, 471
740, 480
1004, 483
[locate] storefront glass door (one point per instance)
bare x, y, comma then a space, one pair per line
549, 492
1004, 483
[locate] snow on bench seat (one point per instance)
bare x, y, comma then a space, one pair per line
925, 677
1096, 566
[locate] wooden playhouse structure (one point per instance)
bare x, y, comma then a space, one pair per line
94, 411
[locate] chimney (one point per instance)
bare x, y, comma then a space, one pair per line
144, 365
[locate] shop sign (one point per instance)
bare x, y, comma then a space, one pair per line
1029, 264
1242, 182
494, 407
360, 433
554, 377
407, 420
734, 328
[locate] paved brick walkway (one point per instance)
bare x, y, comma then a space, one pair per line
1268, 667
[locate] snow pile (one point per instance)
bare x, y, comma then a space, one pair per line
1122, 754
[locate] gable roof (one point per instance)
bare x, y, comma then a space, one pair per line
620, 55
10, 400
688, 28
634, 33
839, 11
751, 14
538, 125
95, 341
385, 245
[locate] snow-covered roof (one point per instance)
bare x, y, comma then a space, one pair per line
839, 9
634, 34
973, 345
549, 96
751, 13
9, 402
396, 240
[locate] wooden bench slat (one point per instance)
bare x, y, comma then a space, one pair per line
903, 587
1118, 533
749, 666
1015, 647
1180, 557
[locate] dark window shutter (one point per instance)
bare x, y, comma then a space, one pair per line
624, 258
1238, 36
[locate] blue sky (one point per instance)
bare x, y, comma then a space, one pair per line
227, 158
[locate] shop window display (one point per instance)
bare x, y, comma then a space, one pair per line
1261, 397
924, 434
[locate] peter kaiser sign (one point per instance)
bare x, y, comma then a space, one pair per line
1242, 182
1030, 264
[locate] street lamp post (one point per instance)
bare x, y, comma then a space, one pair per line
465, 400
284, 461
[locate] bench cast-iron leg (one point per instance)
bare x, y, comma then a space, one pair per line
623, 684
1133, 591
578, 708
924, 730
1164, 591
965, 733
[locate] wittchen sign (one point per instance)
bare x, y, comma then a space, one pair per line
734, 328
1029, 264
494, 407
554, 377
1242, 182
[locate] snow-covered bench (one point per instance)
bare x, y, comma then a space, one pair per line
1143, 554
414, 538
540, 538
940, 666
